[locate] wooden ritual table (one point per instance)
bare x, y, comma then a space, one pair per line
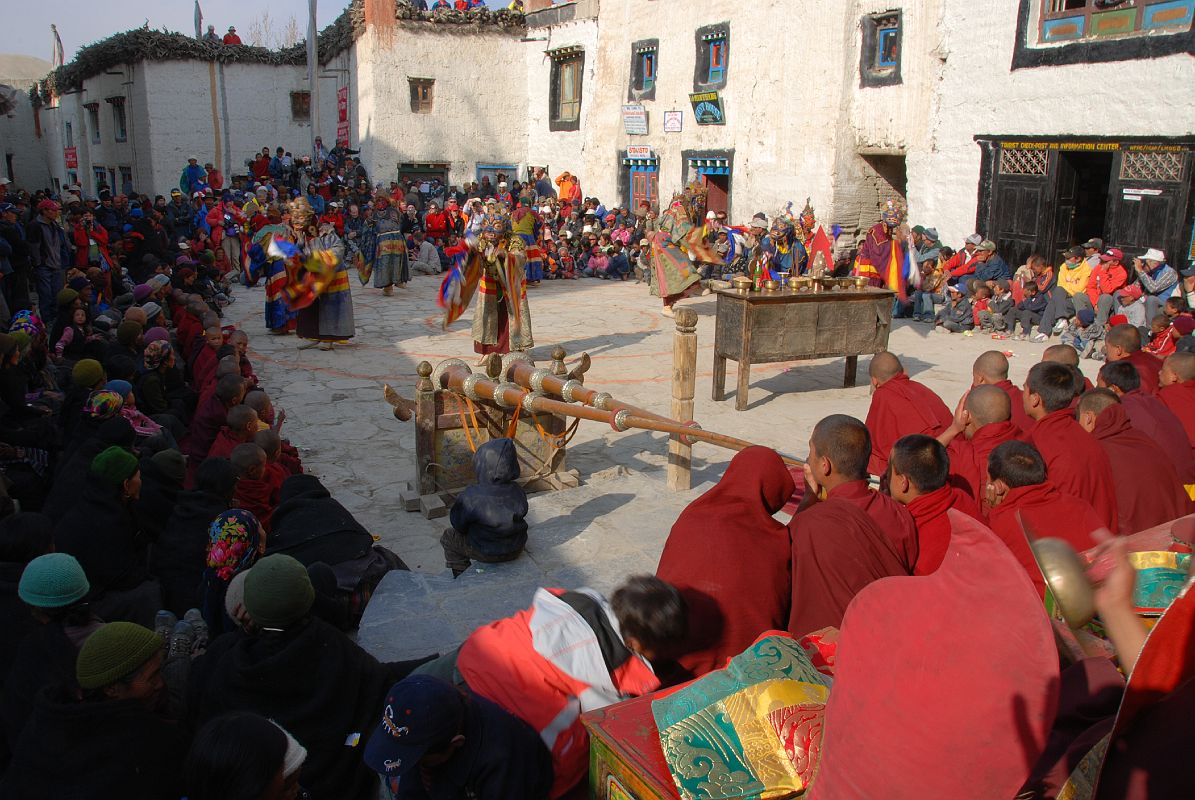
625, 759
787, 325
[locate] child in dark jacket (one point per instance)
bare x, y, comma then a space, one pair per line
487, 518
1029, 310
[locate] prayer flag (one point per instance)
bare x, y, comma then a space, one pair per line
59, 55
198, 21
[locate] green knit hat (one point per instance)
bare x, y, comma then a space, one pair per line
115, 465
67, 296
55, 580
115, 650
87, 372
278, 592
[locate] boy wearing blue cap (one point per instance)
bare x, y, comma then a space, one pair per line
436, 740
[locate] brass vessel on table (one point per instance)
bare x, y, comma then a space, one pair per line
771, 285
742, 284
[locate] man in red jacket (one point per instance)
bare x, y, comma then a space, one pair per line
899, 406
436, 224
1108, 276
1018, 490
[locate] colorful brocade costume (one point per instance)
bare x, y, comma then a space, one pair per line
881, 257
279, 316
525, 224
673, 255
330, 317
494, 268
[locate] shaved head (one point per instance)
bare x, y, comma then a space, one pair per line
1095, 401
988, 405
923, 460
884, 366
846, 442
1061, 354
1126, 337
1182, 365
992, 366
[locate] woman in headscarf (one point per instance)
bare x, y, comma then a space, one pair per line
390, 265
177, 558
101, 531
101, 405
235, 540
151, 386
729, 558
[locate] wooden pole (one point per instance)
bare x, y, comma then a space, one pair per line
425, 429
684, 381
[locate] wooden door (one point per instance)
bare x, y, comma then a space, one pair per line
1066, 181
1021, 227
1149, 204
717, 193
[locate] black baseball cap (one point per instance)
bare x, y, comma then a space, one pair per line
421, 713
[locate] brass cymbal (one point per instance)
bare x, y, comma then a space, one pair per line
1067, 578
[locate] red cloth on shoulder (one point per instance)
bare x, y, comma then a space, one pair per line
1048, 512
289, 459
1076, 464
891, 517
837, 549
224, 444
960, 662
730, 560
969, 457
1180, 399
1148, 490
1149, 415
1149, 368
899, 407
203, 368
933, 525
1016, 398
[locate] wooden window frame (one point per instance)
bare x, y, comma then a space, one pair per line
423, 94
93, 120
712, 63
120, 120
297, 113
564, 61
645, 69
875, 29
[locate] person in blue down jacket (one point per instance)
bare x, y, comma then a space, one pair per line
488, 518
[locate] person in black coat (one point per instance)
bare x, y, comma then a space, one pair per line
179, 556
488, 518
99, 529
162, 476
72, 472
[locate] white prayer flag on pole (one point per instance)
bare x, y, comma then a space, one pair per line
59, 55
198, 21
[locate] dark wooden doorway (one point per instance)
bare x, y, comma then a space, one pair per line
1081, 203
718, 193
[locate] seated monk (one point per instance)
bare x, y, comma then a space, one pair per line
981, 423
1075, 462
899, 406
991, 369
210, 418
839, 448
917, 477
225, 366
1149, 415
255, 491
240, 427
1065, 354
1177, 390
837, 549
1148, 490
270, 442
203, 366
288, 456
730, 560
1018, 490
1123, 343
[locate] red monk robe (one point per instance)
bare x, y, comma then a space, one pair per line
1076, 464
969, 458
1047, 512
933, 524
1148, 490
900, 407
190, 332
1180, 399
1149, 415
225, 442
1017, 401
944, 686
730, 560
891, 517
203, 369
1148, 367
258, 496
836, 550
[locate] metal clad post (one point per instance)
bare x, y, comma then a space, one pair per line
425, 429
684, 380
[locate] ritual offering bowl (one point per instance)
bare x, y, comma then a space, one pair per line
830, 284
794, 282
860, 282
771, 285
1070, 593
742, 284
846, 283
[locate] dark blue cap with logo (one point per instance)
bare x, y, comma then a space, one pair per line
421, 713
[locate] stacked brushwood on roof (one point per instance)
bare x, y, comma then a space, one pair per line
144, 44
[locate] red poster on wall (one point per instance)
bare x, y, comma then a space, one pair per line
342, 116
71, 155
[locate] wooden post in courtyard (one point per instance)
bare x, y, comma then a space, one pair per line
425, 429
684, 380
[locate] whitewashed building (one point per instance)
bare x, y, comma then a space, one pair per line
1036, 122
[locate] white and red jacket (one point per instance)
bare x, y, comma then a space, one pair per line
549, 664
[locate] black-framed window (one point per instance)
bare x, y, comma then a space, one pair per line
567, 83
713, 57
93, 121
1054, 32
645, 66
300, 106
422, 94
879, 56
120, 128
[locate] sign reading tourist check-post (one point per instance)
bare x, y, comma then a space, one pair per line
707, 108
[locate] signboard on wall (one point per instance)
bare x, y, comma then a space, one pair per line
707, 108
638, 151
634, 119
71, 155
674, 121
342, 116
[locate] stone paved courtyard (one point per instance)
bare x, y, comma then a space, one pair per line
616, 522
